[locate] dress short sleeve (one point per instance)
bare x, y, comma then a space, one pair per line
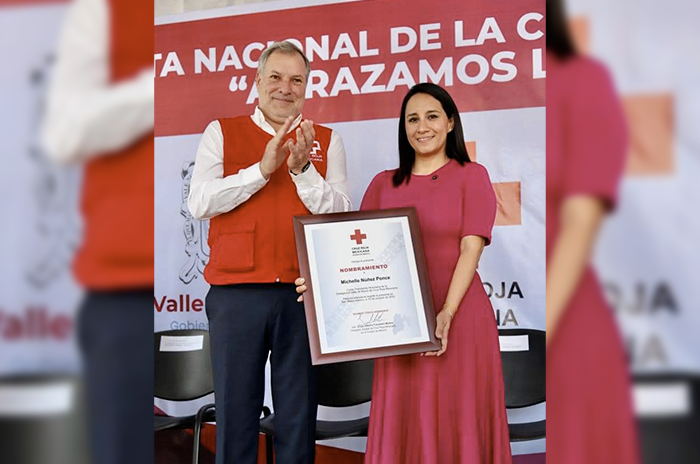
479, 203
596, 135
371, 199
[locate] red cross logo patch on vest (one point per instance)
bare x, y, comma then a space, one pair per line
316, 153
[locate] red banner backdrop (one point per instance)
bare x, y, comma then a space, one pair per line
361, 67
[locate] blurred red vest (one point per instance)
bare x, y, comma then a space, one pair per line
117, 199
254, 242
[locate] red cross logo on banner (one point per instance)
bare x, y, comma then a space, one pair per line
358, 237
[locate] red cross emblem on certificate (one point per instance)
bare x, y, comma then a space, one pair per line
358, 237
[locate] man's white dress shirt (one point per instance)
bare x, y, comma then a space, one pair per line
212, 194
86, 115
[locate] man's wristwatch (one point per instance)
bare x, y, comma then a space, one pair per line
306, 166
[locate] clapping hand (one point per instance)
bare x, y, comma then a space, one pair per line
299, 151
276, 151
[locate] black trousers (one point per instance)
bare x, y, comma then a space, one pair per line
115, 331
246, 323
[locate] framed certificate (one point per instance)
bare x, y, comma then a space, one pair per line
367, 286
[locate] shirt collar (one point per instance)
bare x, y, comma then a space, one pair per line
259, 119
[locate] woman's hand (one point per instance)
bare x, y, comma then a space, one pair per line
442, 330
301, 288
470, 249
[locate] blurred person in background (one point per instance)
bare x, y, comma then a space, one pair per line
589, 410
100, 114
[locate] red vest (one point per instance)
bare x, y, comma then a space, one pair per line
117, 199
254, 242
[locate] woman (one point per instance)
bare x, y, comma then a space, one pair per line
446, 406
589, 412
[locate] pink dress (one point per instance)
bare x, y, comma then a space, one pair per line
589, 414
448, 409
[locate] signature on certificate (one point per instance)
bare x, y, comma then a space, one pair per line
373, 318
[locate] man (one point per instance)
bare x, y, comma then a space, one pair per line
100, 112
252, 174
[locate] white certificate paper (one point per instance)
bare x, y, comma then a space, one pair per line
368, 293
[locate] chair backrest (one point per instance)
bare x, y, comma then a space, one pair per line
668, 413
345, 384
43, 420
524, 371
182, 365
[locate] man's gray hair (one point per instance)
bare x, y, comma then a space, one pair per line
282, 47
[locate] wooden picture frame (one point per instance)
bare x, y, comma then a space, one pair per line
409, 252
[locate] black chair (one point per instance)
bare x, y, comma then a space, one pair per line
339, 385
184, 376
524, 373
670, 437
43, 420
